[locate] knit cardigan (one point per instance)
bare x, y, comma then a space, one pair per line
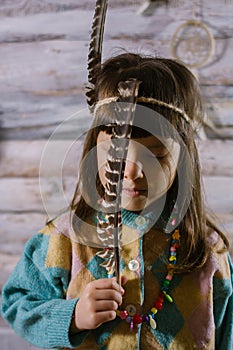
39, 298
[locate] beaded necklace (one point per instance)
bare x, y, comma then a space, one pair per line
163, 294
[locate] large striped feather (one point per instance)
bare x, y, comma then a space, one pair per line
110, 228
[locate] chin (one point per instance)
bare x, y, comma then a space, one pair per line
134, 205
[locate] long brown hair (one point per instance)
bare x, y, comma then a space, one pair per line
169, 81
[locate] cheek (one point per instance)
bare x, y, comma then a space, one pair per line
161, 176
171, 168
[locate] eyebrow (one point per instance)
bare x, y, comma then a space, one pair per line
159, 150
157, 146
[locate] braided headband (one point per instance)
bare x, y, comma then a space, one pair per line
151, 100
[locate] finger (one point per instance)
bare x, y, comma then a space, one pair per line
108, 294
106, 305
104, 316
119, 287
108, 283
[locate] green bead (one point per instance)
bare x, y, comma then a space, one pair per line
168, 297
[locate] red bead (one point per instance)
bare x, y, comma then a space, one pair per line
176, 245
161, 295
123, 314
158, 305
137, 319
160, 300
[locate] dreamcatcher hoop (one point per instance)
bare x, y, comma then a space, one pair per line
193, 43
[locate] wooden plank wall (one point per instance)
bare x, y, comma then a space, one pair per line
43, 49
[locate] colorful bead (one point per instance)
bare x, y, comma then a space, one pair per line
158, 305
168, 297
176, 235
137, 319
160, 301
145, 318
169, 277
123, 314
152, 322
176, 245
128, 319
161, 295
172, 258
154, 310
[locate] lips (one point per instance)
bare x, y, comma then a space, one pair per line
133, 192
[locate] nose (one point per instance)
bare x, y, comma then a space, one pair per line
133, 170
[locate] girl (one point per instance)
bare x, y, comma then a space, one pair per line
176, 290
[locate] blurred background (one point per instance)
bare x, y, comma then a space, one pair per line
43, 60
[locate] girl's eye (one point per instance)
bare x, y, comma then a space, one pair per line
159, 156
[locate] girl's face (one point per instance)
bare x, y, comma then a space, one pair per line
150, 169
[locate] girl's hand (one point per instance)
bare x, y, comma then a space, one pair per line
97, 304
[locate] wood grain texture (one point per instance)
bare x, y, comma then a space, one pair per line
24, 158
43, 64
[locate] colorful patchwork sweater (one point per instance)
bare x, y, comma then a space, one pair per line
39, 298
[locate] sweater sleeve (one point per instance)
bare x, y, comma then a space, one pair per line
33, 299
223, 309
